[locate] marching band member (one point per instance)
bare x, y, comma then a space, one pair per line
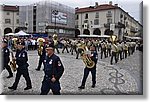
114, 53
65, 45
103, 49
94, 57
41, 53
6, 59
73, 46
120, 50
53, 70
21, 61
125, 50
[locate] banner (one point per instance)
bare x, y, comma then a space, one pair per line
61, 18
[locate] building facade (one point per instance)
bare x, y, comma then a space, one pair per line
105, 19
48, 17
9, 19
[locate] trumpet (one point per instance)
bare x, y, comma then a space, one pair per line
87, 59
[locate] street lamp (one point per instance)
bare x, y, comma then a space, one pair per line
55, 12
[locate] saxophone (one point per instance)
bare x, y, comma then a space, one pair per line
86, 58
13, 62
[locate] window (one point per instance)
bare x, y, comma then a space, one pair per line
97, 15
96, 22
17, 13
109, 20
7, 21
109, 11
85, 21
7, 13
77, 17
127, 24
86, 16
17, 21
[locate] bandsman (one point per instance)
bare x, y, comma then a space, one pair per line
22, 62
53, 70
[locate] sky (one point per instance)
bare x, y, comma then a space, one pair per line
131, 6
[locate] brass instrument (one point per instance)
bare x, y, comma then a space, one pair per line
87, 59
40, 48
55, 39
13, 62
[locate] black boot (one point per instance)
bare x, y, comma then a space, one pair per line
93, 86
81, 87
13, 88
28, 87
10, 76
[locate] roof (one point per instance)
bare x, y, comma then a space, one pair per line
94, 8
10, 8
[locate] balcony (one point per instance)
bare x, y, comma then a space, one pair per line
109, 15
120, 25
133, 30
107, 25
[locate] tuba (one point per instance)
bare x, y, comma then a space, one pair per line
40, 47
55, 39
13, 62
86, 58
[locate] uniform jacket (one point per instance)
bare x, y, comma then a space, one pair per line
53, 67
21, 58
6, 53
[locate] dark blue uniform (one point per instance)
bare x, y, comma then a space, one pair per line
94, 57
21, 61
6, 59
53, 67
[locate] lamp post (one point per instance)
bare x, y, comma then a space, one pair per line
55, 12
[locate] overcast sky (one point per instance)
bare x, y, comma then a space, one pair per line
131, 6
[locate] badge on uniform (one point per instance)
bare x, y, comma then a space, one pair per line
23, 55
50, 62
59, 63
6, 51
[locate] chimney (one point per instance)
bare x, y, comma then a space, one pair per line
96, 4
116, 5
110, 2
76, 8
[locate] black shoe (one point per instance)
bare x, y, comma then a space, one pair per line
37, 69
93, 86
27, 88
12, 88
81, 87
10, 76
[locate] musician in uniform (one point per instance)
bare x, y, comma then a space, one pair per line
120, 50
73, 46
21, 61
114, 53
6, 59
94, 57
103, 49
125, 50
53, 70
41, 53
80, 47
65, 45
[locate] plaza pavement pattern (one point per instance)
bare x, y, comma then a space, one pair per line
123, 78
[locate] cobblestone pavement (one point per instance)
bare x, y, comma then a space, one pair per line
125, 77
